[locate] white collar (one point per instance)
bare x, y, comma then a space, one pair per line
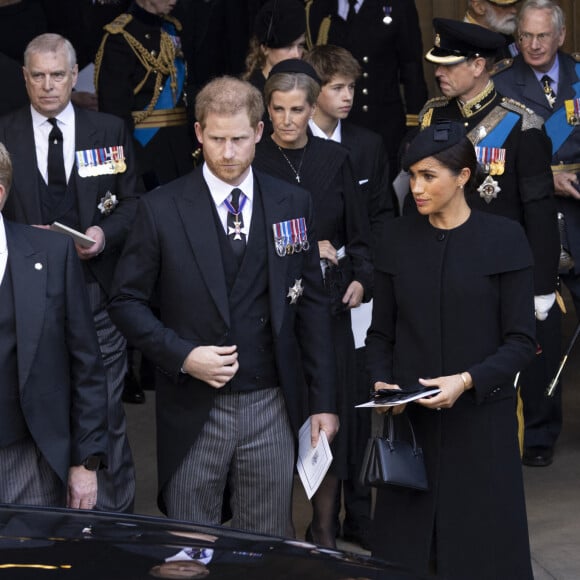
66, 116
220, 190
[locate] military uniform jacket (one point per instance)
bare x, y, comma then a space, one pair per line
526, 184
520, 83
125, 85
391, 55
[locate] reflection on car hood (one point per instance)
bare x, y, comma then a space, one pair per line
37, 543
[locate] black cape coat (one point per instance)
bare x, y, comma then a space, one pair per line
449, 301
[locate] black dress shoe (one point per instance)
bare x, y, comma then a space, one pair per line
538, 456
132, 392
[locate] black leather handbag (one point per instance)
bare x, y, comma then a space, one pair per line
392, 461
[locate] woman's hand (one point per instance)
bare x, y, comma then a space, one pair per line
327, 252
353, 295
452, 387
397, 408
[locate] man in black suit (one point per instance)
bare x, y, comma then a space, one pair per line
385, 38
236, 274
339, 71
53, 414
548, 80
75, 166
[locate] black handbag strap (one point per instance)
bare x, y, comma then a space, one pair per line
389, 430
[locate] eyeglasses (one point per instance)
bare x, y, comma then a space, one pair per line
527, 38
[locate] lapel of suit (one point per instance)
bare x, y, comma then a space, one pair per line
29, 270
196, 212
20, 142
532, 89
87, 136
567, 77
276, 203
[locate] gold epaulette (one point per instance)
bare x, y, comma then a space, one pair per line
501, 65
118, 24
174, 21
426, 112
530, 120
576, 56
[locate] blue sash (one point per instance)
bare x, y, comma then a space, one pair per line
165, 100
500, 132
557, 126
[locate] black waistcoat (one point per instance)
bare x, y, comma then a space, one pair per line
59, 207
12, 423
250, 321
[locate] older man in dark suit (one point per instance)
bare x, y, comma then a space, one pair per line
75, 167
53, 414
548, 81
231, 256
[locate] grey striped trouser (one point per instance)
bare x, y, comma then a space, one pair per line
26, 477
246, 442
117, 482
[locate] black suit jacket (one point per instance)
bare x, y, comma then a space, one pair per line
371, 169
520, 83
173, 252
62, 385
93, 130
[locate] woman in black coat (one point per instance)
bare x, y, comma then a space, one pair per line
322, 167
453, 308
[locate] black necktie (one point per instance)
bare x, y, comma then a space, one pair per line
56, 172
351, 11
548, 91
235, 223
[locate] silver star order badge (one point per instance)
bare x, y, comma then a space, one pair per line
108, 203
489, 189
294, 292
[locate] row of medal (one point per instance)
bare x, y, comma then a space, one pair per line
492, 161
573, 111
102, 161
290, 236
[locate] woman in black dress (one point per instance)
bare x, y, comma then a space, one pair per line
322, 167
453, 308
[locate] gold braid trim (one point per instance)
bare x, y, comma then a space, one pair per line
323, 31
162, 65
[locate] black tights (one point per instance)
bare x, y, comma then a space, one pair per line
324, 512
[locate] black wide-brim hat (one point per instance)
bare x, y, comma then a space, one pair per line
280, 22
432, 140
456, 41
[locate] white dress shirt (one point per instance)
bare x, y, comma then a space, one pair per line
318, 132
343, 7
42, 128
220, 191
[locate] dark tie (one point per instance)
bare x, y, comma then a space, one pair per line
56, 172
235, 223
351, 11
548, 91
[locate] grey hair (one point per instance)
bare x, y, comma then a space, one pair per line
50, 43
558, 18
